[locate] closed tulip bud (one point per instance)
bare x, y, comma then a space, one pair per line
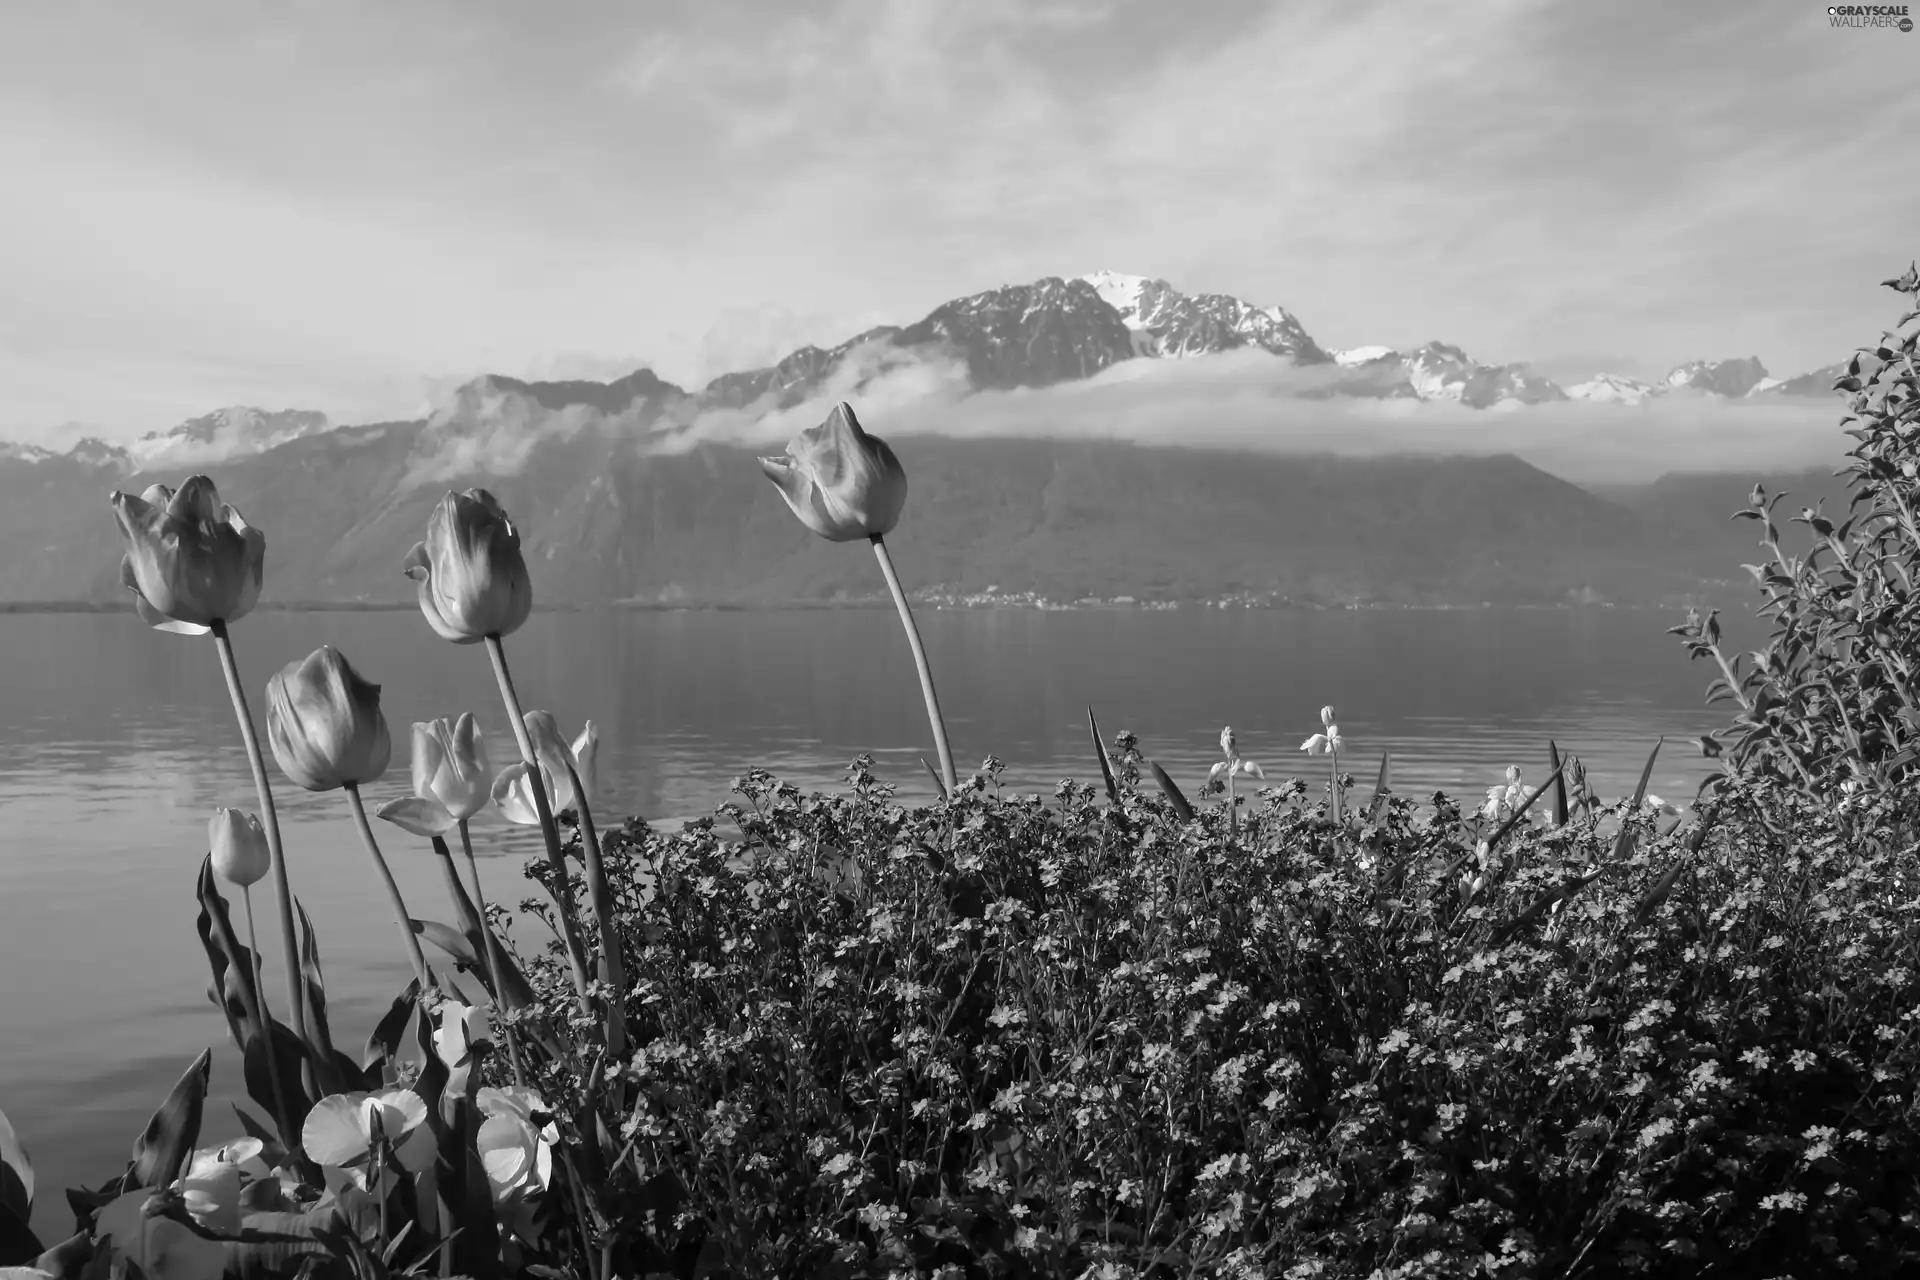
843, 483
1227, 743
473, 578
1326, 717
191, 559
324, 723
239, 846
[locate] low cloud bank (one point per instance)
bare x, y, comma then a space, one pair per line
1235, 400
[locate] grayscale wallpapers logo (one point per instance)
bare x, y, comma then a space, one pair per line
1892, 16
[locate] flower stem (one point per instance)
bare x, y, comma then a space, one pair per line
282, 892
494, 967
405, 921
920, 663
612, 970
562, 897
285, 1117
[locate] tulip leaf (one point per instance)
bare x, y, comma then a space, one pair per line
465, 914
19, 1247
1559, 784
159, 1152
451, 941
335, 1071
516, 992
1380, 791
1100, 753
939, 784
16, 1173
384, 1043
1558, 893
254, 1128
289, 1056
233, 964
68, 1259
1177, 800
85, 1203
1623, 843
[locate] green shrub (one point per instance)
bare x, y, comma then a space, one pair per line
1007, 1037
1830, 702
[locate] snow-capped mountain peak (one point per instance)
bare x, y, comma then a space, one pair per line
1121, 292
1354, 356
226, 433
1612, 388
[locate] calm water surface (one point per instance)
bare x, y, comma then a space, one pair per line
120, 742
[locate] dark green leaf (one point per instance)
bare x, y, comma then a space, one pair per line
1172, 792
1559, 784
384, 1043
1100, 754
451, 941
16, 1173
159, 1152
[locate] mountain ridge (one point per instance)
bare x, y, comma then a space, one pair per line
1056, 329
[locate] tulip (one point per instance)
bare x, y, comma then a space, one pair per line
340, 1134
473, 578
1230, 766
241, 856
191, 559
513, 788
324, 723
841, 482
1505, 800
1328, 744
484, 593
452, 778
194, 565
239, 847
452, 781
162, 1248
565, 768
846, 485
326, 729
516, 1152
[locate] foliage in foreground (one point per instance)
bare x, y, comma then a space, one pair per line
1006, 1037
1832, 701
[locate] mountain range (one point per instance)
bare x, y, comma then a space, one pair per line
607, 522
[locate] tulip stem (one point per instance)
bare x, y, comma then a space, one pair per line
562, 895
393, 889
612, 969
282, 892
919, 662
285, 1117
494, 967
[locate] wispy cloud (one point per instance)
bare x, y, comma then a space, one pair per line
317, 204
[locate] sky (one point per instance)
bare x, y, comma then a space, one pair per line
353, 207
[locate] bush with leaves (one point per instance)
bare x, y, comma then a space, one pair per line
1833, 700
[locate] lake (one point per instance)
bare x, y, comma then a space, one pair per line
120, 743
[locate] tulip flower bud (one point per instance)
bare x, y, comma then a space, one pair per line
324, 723
1227, 743
239, 846
191, 559
843, 483
473, 578
1326, 717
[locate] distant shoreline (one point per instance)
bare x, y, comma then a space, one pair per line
935, 603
